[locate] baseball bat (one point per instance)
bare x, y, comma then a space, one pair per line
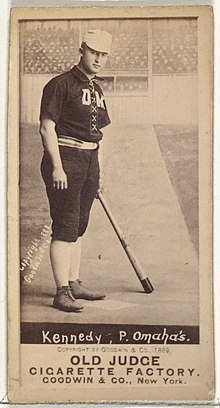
145, 282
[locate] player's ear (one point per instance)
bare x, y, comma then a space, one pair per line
81, 51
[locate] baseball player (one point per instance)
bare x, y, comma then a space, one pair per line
73, 112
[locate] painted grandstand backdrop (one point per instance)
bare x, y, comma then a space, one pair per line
151, 74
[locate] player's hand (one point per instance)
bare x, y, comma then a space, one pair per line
100, 189
59, 179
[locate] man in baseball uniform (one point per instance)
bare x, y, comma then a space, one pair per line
73, 112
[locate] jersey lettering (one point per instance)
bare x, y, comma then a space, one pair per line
86, 98
99, 100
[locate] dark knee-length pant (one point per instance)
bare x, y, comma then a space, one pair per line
70, 208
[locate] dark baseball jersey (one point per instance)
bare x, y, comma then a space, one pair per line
76, 105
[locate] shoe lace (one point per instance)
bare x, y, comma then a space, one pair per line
81, 284
68, 293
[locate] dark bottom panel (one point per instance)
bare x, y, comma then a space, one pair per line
65, 333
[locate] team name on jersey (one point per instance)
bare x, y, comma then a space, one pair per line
86, 98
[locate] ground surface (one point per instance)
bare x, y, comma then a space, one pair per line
179, 148
151, 186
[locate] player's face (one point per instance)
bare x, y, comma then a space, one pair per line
93, 61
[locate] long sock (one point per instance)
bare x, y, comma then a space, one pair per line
75, 259
60, 254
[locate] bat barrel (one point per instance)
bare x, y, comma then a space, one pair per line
148, 288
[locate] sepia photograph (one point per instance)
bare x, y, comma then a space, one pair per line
145, 121
111, 230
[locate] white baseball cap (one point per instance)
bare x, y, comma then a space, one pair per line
98, 40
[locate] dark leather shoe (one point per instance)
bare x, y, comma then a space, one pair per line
80, 292
65, 301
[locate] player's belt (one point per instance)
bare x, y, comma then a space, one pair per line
79, 144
